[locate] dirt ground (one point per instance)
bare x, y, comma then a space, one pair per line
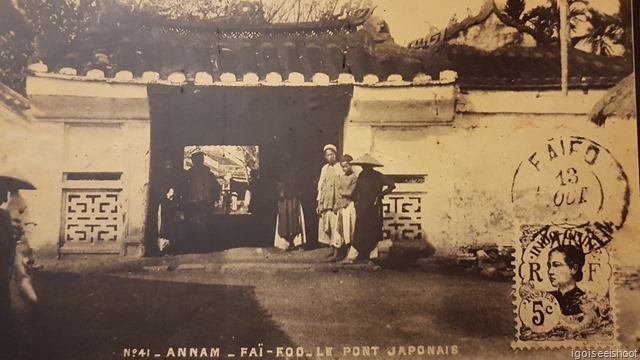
267, 300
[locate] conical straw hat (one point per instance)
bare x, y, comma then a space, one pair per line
367, 159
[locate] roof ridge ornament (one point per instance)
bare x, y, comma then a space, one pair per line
247, 12
454, 28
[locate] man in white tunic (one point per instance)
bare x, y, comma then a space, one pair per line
327, 197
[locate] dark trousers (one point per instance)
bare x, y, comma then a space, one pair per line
6, 321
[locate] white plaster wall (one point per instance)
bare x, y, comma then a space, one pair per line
51, 146
470, 166
136, 145
36, 150
94, 147
577, 102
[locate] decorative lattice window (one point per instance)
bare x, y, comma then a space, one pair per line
402, 219
92, 217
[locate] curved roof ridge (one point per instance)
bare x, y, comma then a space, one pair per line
452, 31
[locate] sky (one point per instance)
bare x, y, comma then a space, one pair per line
411, 19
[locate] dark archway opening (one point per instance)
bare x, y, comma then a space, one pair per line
279, 121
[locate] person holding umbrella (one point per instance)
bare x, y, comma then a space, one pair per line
7, 253
15, 254
24, 258
21, 253
371, 187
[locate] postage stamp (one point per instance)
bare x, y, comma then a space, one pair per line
574, 197
564, 289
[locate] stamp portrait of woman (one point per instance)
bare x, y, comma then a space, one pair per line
565, 272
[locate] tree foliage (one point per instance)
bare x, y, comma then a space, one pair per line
605, 31
27, 25
16, 45
608, 32
545, 19
272, 11
601, 33
515, 8
183, 9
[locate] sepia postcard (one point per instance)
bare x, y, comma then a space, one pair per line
319, 179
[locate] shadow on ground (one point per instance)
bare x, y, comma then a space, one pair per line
96, 317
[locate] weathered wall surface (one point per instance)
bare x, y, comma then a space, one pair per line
87, 154
470, 164
35, 150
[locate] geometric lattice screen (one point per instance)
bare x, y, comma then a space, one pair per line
92, 217
402, 216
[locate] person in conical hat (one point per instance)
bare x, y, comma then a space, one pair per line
371, 187
327, 197
367, 160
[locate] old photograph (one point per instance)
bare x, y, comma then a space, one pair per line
319, 179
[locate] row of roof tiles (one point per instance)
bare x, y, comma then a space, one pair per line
476, 68
272, 78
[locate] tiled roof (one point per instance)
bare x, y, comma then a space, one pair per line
537, 67
223, 160
14, 102
505, 68
166, 50
515, 66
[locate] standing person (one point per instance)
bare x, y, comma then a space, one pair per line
168, 207
15, 259
253, 201
202, 190
371, 187
22, 227
290, 227
7, 253
345, 208
234, 201
327, 198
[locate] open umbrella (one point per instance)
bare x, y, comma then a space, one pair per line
11, 179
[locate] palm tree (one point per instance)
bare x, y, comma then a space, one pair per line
515, 8
606, 34
608, 31
545, 20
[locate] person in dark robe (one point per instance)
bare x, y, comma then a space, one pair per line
7, 255
371, 187
168, 207
201, 192
290, 225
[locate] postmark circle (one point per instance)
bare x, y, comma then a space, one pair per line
571, 180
